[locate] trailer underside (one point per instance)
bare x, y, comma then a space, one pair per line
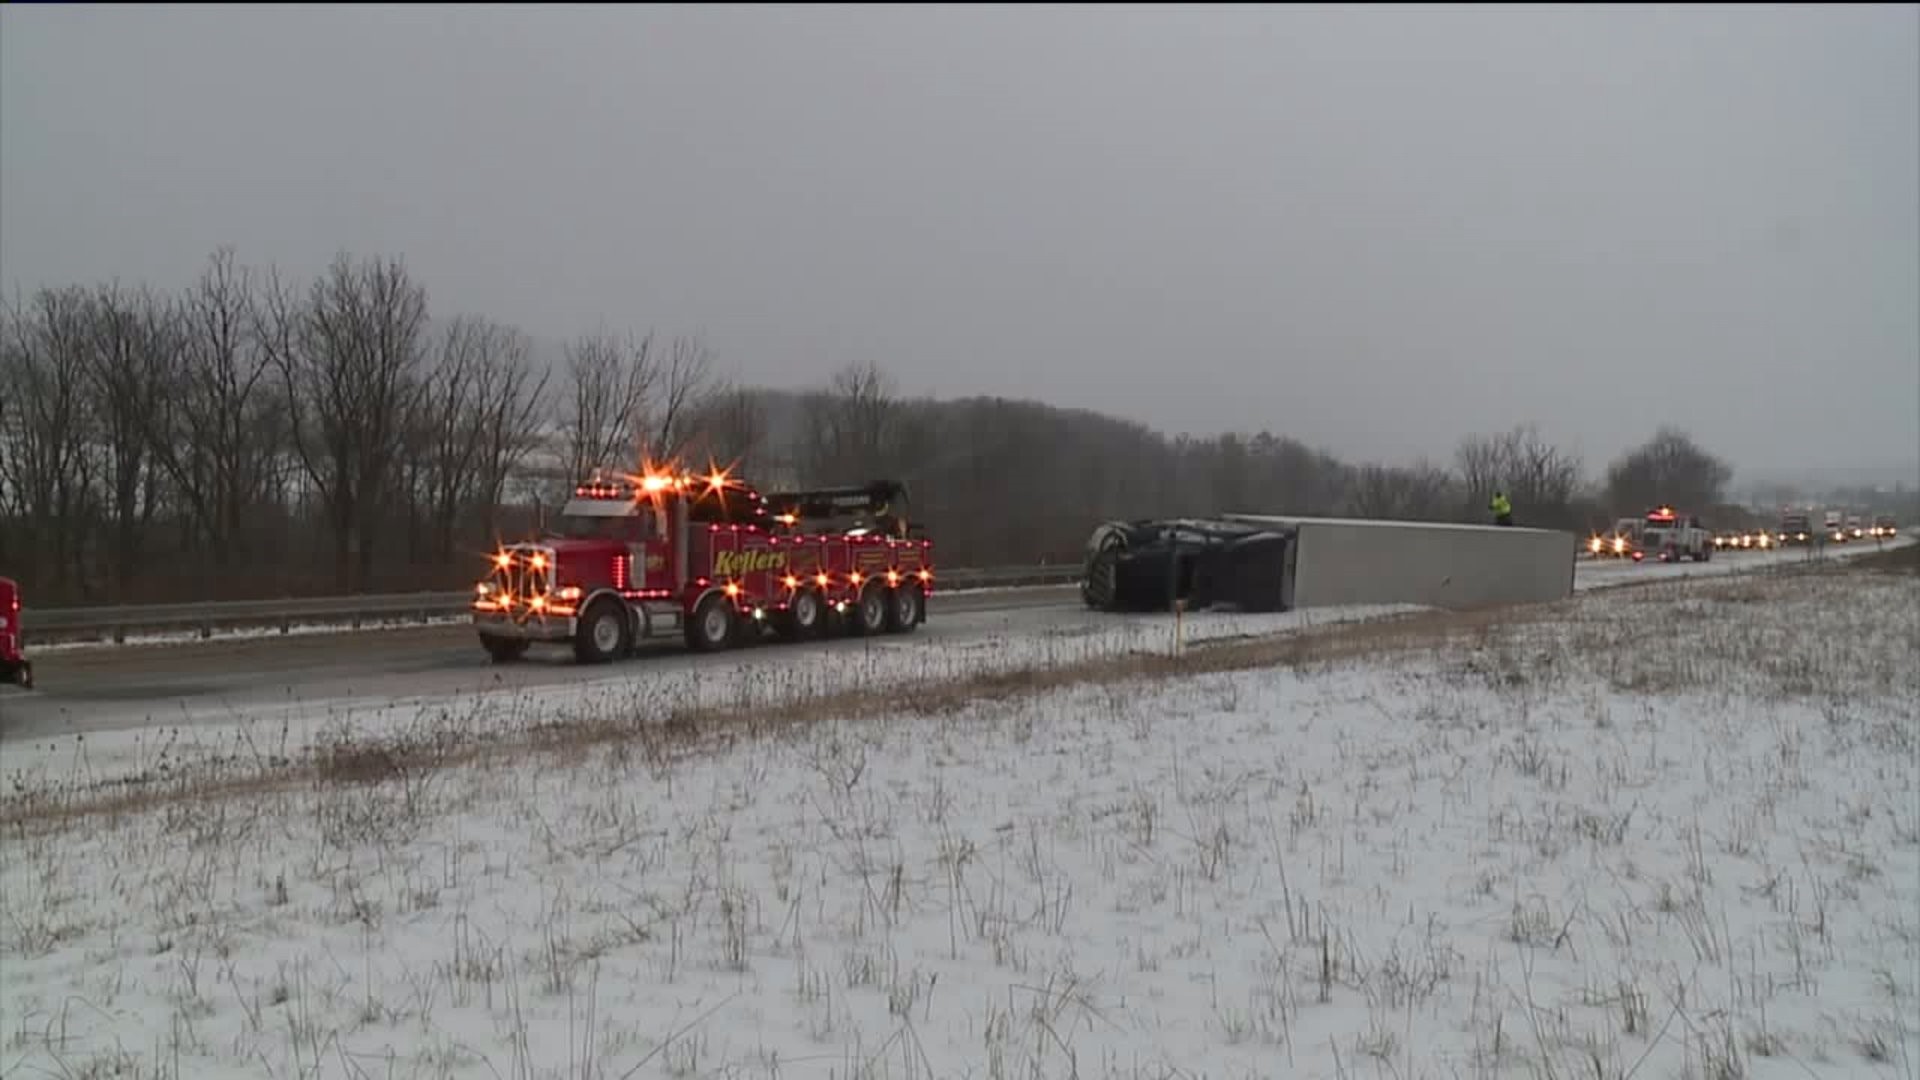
1198, 562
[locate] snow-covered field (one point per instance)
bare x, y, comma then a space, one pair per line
1654, 832
233, 743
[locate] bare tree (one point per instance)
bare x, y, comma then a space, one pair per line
848, 431
511, 402
1668, 468
348, 357
731, 429
1286, 475
132, 348
51, 469
685, 382
1482, 461
611, 380
476, 423
221, 422
448, 425
1422, 492
1540, 478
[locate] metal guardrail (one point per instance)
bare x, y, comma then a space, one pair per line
355, 611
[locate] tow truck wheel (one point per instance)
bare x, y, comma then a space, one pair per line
603, 633
907, 609
871, 615
712, 626
802, 619
504, 650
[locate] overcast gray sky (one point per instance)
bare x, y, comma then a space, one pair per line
1373, 228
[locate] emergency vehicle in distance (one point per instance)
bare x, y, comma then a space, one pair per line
1672, 536
1620, 542
1796, 527
709, 558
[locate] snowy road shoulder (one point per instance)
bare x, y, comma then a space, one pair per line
233, 740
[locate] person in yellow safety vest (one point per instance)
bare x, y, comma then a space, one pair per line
1502, 508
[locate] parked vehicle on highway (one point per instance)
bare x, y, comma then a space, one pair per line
1834, 526
1672, 536
710, 559
1744, 540
1620, 542
14, 665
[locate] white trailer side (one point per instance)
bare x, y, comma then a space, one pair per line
1339, 561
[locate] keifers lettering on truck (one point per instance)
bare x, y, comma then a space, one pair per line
710, 559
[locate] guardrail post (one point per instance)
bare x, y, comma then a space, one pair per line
206, 629
119, 634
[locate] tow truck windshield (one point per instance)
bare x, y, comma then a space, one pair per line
605, 519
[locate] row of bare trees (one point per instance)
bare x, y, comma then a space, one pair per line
252, 437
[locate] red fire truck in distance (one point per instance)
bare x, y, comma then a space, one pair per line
711, 559
14, 665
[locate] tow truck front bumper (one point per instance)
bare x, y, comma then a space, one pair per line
525, 626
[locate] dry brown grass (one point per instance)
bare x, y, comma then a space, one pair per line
1900, 560
364, 759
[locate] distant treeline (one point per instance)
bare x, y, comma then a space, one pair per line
252, 437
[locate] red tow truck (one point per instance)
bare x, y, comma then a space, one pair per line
14, 665
708, 558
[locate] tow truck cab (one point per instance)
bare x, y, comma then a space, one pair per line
14, 665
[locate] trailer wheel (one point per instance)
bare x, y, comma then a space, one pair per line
870, 616
504, 650
713, 625
604, 633
803, 618
907, 611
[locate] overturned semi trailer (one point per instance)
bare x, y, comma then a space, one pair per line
1278, 563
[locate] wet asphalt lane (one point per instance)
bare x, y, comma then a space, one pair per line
109, 688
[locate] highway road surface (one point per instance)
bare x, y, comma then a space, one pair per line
120, 687
111, 688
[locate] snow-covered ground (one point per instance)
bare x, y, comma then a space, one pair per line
227, 739
1671, 832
